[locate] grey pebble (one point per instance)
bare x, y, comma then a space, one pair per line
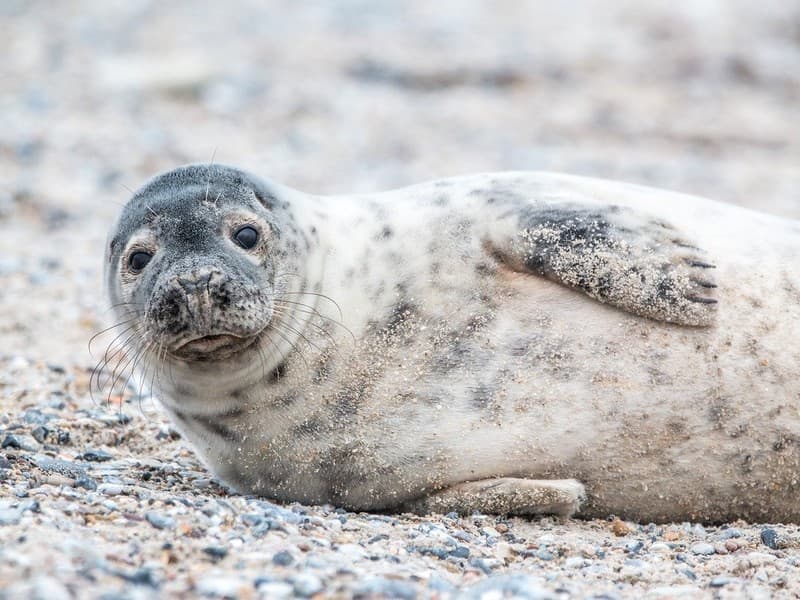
216, 552
283, 558
634, 547
159, 521
20, 442
306, 584
516, 585
381, 587
545, 554
728, 533
33, 416
10, 516
702, 549
722, 581
460, 552
220, 587
769, 537
96, 456
110, 489
40, 433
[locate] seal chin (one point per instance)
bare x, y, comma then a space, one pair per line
209, 348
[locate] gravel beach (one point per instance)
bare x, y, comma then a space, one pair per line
99, 496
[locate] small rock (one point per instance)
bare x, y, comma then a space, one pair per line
34, 416
49, 588
545, 554
730, 532
96, 456
221, 587
274, 589
460, 552
660, 547
732, 545
702, 549
10, 516
216, 552
110, 489
380, 587
634, 547
620, 528
306, 584
517, 585
283, 558
769, 537
672, 536
85, 482
159, 521
40, 433
20, 442
721, 581
574, 562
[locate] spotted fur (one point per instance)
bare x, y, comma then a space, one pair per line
475, 343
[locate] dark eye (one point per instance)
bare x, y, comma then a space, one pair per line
246, 237
139, 260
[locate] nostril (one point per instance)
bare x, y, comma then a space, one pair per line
195, 281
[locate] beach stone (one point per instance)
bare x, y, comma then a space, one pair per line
159, 521
702, 549
306, 584
519, 586
283, 558
380, 587
20, 442
769, 537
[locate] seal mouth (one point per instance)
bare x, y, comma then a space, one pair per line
212, 347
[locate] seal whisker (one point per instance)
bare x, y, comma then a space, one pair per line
318, 295
307, 309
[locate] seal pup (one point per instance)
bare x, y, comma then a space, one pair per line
507, 343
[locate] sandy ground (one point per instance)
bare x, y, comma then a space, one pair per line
701, 96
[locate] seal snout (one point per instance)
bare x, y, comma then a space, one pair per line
205, 313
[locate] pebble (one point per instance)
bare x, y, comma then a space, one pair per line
159, 521
702, 549
769, 537
518, 586
306, 584
110, 489
722, 581
20, 442
380, 587
96, 456
275, 589
216, 552
283, 558
221, 587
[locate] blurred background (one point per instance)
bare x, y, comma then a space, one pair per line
701, 96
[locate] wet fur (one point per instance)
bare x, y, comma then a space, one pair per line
487, 330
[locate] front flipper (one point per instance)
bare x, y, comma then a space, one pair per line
615, 255
504, 496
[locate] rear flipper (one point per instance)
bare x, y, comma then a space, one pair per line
614, 254
504, 496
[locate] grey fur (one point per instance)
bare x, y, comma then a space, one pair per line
442, 346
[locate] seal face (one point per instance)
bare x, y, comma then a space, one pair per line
515, 343
199, 257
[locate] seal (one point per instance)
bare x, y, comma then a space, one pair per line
516, 343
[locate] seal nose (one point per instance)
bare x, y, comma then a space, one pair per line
196, 281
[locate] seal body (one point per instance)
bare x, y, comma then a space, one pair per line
493, 342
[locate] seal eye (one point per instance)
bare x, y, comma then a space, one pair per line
139, 260
246, 237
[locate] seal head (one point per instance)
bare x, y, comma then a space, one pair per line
193, 258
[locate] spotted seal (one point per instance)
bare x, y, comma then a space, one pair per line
519, 343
